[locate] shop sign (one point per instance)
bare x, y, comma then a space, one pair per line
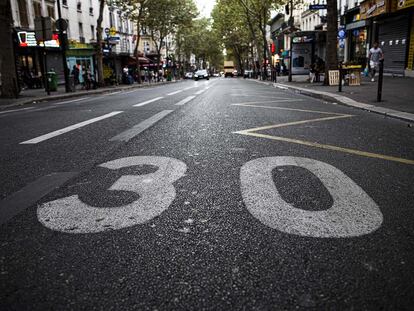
371, 8
78, 46
403, 4
318, 7
54, 43
27, 38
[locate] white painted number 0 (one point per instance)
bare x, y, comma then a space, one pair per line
353, 212
156, 192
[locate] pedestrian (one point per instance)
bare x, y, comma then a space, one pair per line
75, 73
375, 56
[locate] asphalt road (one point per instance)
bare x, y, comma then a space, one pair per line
211, 195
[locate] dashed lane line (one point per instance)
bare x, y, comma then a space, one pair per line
185, 100
69, 129
30, 194
200, 92
140, 127
70, 101
16, 110
173, 93
148, 101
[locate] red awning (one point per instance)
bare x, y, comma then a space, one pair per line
142, 60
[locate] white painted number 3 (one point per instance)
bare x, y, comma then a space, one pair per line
156, 192
353, 212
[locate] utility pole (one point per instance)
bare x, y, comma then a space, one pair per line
63, 44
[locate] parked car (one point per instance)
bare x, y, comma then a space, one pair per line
201, 74
216, 74
248, 74
235, 73
189, 75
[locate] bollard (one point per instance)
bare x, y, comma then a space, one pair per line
380, 76
340, 77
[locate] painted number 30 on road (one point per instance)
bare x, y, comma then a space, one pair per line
353, 212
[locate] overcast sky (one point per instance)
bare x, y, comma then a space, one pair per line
205, 6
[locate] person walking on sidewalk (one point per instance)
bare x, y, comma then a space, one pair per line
375, 56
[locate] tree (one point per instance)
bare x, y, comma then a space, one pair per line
137, 12
99, 52
331, 60
164, 17
9, 85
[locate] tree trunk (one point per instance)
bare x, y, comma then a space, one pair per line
136, 52
331, 61
99, 53
9, 85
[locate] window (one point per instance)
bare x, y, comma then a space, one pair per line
65, 2
111, 19
51, 11
37, 9
24, 22
120, 21
68, 30
92, 32
81, 36
79, 6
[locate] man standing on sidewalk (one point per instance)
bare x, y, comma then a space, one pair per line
375, 55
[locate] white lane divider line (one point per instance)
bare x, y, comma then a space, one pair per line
70, 101
189, 88
123, 93
173, 93
69, 128
113, 93
185, 100
140, 127
200, 91
148, 101
14, 110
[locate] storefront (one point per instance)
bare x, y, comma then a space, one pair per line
391, 23
357, 32
81, 55
34, 57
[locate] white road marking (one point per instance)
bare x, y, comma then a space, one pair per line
113, 93
185, 100
189, 88
123, 93
353, 212
200, 92
139, 128
69, 128
70, 101
156, 193
173, 93
14, 110
148, 101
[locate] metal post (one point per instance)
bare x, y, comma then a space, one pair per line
290, 62
381, 74
63, 41
46, 79
340, 77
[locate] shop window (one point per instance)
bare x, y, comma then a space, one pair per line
24, 22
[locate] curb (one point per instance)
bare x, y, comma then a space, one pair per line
34, 100
346, 101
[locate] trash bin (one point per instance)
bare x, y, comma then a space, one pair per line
52, 81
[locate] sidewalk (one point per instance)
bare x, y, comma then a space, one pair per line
30, 96
397, 94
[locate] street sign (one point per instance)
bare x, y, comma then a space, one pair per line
107, 31
317, 7
341, 34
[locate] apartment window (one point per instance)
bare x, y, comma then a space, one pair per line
79, 6
24, 22
120, 22
37, 9
65, 2
92, 32
81, 36
51, 11
68, 30
111, 19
